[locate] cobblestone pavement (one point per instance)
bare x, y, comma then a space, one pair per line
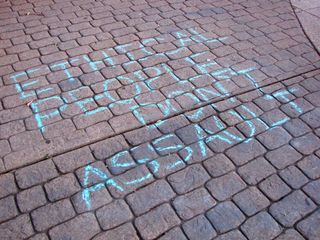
145, 119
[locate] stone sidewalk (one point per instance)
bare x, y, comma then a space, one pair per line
308, 13
158, 120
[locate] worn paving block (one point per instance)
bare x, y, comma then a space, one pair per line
225, 216
157, 221
292, 208
261, 226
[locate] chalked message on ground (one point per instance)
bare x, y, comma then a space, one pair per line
158, 120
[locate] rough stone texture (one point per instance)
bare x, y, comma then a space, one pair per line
310, 227
274, 187
18, 228
68, 183
225, 216
35, 174
158, 120
233, 235
52, 214
83, 227
251, 201
150, 196
188, 179
312, 189
175, 233
199, 228
7, 185
8, 208
193, 203
292, 208
224, 187
290, 234
114, 214
261, 226
156, 222
31, 198
125, 231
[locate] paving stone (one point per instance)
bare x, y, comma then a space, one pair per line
120, 162
312, 190
224, 140
7, 185
274, 137
150, 196
225, 186
212, 124
188, 178
310, 227
167, 144
196, 152
252, 127
306, 144
125, 231
193, 203
35, 174
274, 187
31, 198
131, 181
311, 118
4, 148
218, 165
18, 228
98, 199
25, 140
297, 107
251, 201
290, 234
142, 135
244, 35
292, 208
40, 236
175, 233
225, 216
261, 226
191, 134
70, 161
245, 151
8, 208
199, 228
273, 117
283, 156
62, 187
231, 117
52, 214
293, 177
172, 124
166, 165
267, 102
256, 170
108, 147
94, 173
314, 98
61, 128
114, 214
11, 128
143, 153
233, 235
82, 227
156, 222
310, 166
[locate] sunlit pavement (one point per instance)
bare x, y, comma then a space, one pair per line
158, 120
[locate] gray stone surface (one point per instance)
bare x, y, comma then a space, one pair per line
159, 120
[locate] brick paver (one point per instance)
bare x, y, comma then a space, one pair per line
158, 120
